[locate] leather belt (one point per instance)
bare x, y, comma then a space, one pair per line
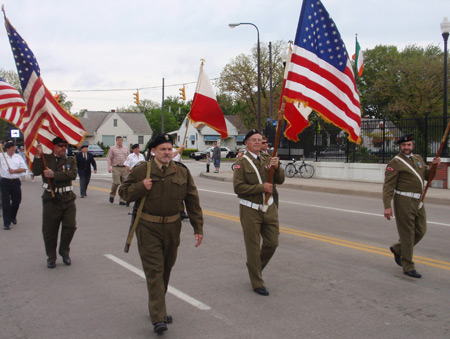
409, 194
61, 190
160, 220
254, 205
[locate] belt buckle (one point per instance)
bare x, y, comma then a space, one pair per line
164, 220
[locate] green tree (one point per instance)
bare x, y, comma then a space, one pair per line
154, 119
404, 84
239, 79
11, 78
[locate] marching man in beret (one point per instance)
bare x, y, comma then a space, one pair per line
168, 189
404, 183
250, 182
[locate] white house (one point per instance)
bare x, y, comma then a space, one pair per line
203, 137
105, 126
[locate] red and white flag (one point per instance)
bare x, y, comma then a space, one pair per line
44, 118
320, 72
12, 106
205, 108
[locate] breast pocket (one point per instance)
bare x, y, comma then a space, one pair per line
178, 188
250, 176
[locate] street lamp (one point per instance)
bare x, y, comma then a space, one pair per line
445, 29
233, 25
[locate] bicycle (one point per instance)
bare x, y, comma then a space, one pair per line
305, 170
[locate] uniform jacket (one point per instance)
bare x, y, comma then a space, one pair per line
400, 177
245, 180
65, 171
84, 166
169, 191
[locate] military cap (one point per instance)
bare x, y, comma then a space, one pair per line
134, 146
9, 144
84, 146
160, 139
59, 140
250, 133
405, 138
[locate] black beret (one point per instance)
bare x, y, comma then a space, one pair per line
84, 146
161, 139
405, 138
9, 144
58, 140
135, 146
250, 133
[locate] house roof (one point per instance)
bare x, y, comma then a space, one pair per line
92, 121
238, 123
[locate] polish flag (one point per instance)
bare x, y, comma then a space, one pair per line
205, 109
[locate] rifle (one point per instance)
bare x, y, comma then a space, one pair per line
136, 214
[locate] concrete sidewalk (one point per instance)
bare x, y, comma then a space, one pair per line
366, 189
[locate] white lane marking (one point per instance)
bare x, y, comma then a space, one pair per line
328, 208
172, 290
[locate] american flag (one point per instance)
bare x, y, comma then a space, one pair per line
44, 118
12, 106
320, 73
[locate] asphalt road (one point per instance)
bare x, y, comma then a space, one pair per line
331, 277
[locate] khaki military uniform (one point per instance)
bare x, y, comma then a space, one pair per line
256, 223
403, 186
60, 210
158, 240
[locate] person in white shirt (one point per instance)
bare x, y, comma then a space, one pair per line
177, 152
134, 158
12, 167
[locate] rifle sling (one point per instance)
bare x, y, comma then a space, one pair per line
141, 206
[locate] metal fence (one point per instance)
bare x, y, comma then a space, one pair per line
325, 142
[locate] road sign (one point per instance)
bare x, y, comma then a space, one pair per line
15, 133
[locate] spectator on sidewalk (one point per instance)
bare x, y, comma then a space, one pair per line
134, 157
12, 167
216, 157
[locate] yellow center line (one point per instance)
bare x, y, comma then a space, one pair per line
340, 242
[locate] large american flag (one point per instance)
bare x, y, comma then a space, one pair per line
12, 106
44, 118
320, 73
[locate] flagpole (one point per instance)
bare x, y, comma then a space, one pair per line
188, 119
50, 186
3, 152
275, 147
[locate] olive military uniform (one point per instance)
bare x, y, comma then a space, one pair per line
61, 208
158, 240
256, 223
405, 187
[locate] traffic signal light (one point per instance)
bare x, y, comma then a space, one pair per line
183, 93
57, 98
136, 97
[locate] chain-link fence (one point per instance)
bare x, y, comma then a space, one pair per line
325, 142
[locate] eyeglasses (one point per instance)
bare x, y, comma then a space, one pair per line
264, 142
62, 145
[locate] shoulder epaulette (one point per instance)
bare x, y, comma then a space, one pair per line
180, 164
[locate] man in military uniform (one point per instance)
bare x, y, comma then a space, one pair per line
250, 182
404, 182
58, 199
158, 231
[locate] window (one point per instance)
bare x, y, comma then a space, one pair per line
115, 122
108, 140
140, 139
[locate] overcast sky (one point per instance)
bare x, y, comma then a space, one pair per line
124, 45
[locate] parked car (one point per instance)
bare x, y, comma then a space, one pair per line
96, 150
225, 152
